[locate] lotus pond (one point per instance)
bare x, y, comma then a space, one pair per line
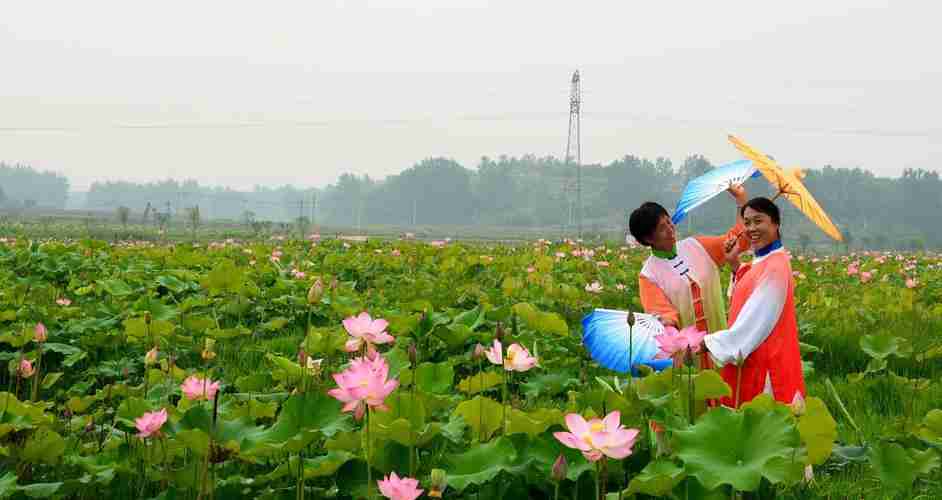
247, 370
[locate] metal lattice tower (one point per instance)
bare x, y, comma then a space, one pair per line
575, 140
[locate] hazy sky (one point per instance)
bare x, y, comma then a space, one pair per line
240, 93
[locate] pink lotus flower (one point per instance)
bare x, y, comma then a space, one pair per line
594, 287
395, 488
672, 341
195, 388
64, 302
41, 334
364, 384
518, 358
866, 276
852, 270
911, 283
365, 329
598, 437
395, 252
531, 269
150, 423
26, 368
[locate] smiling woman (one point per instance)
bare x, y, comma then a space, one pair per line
760, 348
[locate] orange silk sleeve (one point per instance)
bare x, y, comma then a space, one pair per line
655, 301
714, 245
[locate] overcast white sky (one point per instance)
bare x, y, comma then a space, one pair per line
243, 93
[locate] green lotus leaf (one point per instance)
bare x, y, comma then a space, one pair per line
325, 465
708, 384
737, 448
324, 341
893, 465
17, 338
657, 479
7, 484
548, 384
543, 322
406, 434
472, 319
924, 461
481, 463
40, 490
345, 441
224, 278
194, 440
931, 429
454, 335
883, 346
485, 416
256, 382
533, 422
657, 389
818, 430
171, 283
44, 446
274, 324
480, 382
432, 377
116, 287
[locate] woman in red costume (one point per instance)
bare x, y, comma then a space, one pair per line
763, 331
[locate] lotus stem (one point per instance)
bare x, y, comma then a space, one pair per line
504, 396
598, 490
38, 374
690, 394
738, 384
369, 454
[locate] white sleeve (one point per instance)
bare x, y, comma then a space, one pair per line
755, 321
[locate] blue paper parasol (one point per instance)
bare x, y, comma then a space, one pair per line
712, 183
611, 341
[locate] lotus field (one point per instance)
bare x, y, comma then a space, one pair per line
404, 369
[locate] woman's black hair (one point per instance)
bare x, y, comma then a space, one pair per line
643, 221
765, 206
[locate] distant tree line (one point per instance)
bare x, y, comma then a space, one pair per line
527, 191
22, 186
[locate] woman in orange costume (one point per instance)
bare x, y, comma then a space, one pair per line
763, 330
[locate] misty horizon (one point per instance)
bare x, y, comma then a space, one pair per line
230, 94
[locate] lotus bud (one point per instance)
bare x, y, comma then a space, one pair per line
439, 481
26, 368
90, 426
147, 317
413, 354
314, 366
125, 372
209, 352
798, 405
41, 333
478, 352
302, 357
499, 333
316, 292
151, 356
560, 468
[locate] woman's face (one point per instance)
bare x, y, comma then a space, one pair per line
760, 229
664, 237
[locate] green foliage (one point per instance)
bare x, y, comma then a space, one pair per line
739, 449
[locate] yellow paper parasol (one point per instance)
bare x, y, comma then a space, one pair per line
789, 186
